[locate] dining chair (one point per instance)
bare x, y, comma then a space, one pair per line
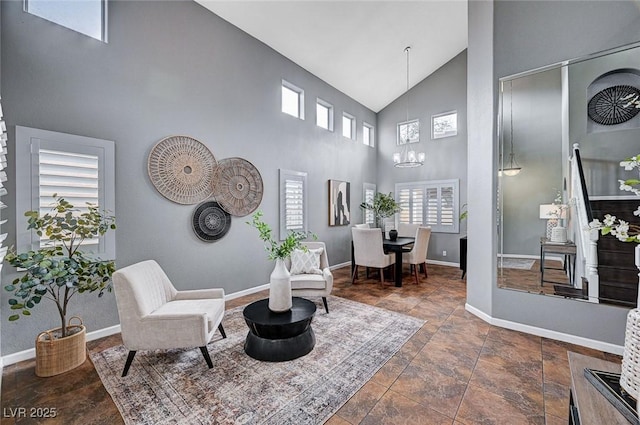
418, 254
368, 252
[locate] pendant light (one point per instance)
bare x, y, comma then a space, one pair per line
408, 158
513, 168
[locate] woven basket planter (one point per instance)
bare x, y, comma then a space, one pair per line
56, 356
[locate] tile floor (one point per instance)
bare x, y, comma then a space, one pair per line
456, 369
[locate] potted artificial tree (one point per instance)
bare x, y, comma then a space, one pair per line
383, 206
280, 279
58, 271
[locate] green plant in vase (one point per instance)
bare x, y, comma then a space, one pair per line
280, 279
383, 206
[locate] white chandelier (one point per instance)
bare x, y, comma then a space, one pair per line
407, 158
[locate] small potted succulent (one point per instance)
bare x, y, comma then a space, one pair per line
57, 271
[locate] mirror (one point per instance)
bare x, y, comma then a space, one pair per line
543, 247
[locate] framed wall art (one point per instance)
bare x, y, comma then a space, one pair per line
339, 203
444, 125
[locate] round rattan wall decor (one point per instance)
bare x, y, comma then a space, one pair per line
607, 107
181, 168
237, 186
210, 222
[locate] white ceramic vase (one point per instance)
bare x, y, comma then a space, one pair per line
280, 288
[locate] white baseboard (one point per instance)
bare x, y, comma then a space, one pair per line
247, 291
10, 359
443, 263
546, 333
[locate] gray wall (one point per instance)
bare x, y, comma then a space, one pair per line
603, 147
537, 138
527, 35
442, 91
172, 67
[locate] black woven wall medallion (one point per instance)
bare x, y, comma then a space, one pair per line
210, 222
607, 107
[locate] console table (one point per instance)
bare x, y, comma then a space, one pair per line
568, 250
586, 405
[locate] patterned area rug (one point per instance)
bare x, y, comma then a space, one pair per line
175, 386
516, 263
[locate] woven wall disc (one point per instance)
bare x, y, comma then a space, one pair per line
210, 222
181, 168
611, 105
237, 186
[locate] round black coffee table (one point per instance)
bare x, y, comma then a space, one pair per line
278, 337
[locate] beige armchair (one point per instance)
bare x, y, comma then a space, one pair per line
368, 251
418, 254
313, 285
154, 315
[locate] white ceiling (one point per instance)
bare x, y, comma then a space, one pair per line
357, 46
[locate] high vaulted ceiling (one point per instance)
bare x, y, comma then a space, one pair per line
356, 46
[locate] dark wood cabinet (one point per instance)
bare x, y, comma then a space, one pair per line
463, 256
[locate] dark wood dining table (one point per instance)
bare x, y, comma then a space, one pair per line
395, 246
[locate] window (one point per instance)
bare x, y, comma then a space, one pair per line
444, 125
367, 134
88, 17
430, 203
293, 202
324, 114
348, 126
368, 192
79, 169
292, 100
408, 132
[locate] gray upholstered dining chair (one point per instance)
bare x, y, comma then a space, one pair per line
418, 254
316, 283
368, 251
154, 315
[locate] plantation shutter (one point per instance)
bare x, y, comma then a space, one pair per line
77, 168
293, 209
432, 206
430, 203
72, 176
368, 193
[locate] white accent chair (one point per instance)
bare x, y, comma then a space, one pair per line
154, 315
368, 251
418, 254
313, 285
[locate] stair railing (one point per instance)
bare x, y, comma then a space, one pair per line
586, 239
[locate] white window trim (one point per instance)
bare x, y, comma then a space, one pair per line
372, 134
28, 141
104, 20
352, 130
367, 215
330, 117
300, 92
292, 175
399, 125
439, 184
